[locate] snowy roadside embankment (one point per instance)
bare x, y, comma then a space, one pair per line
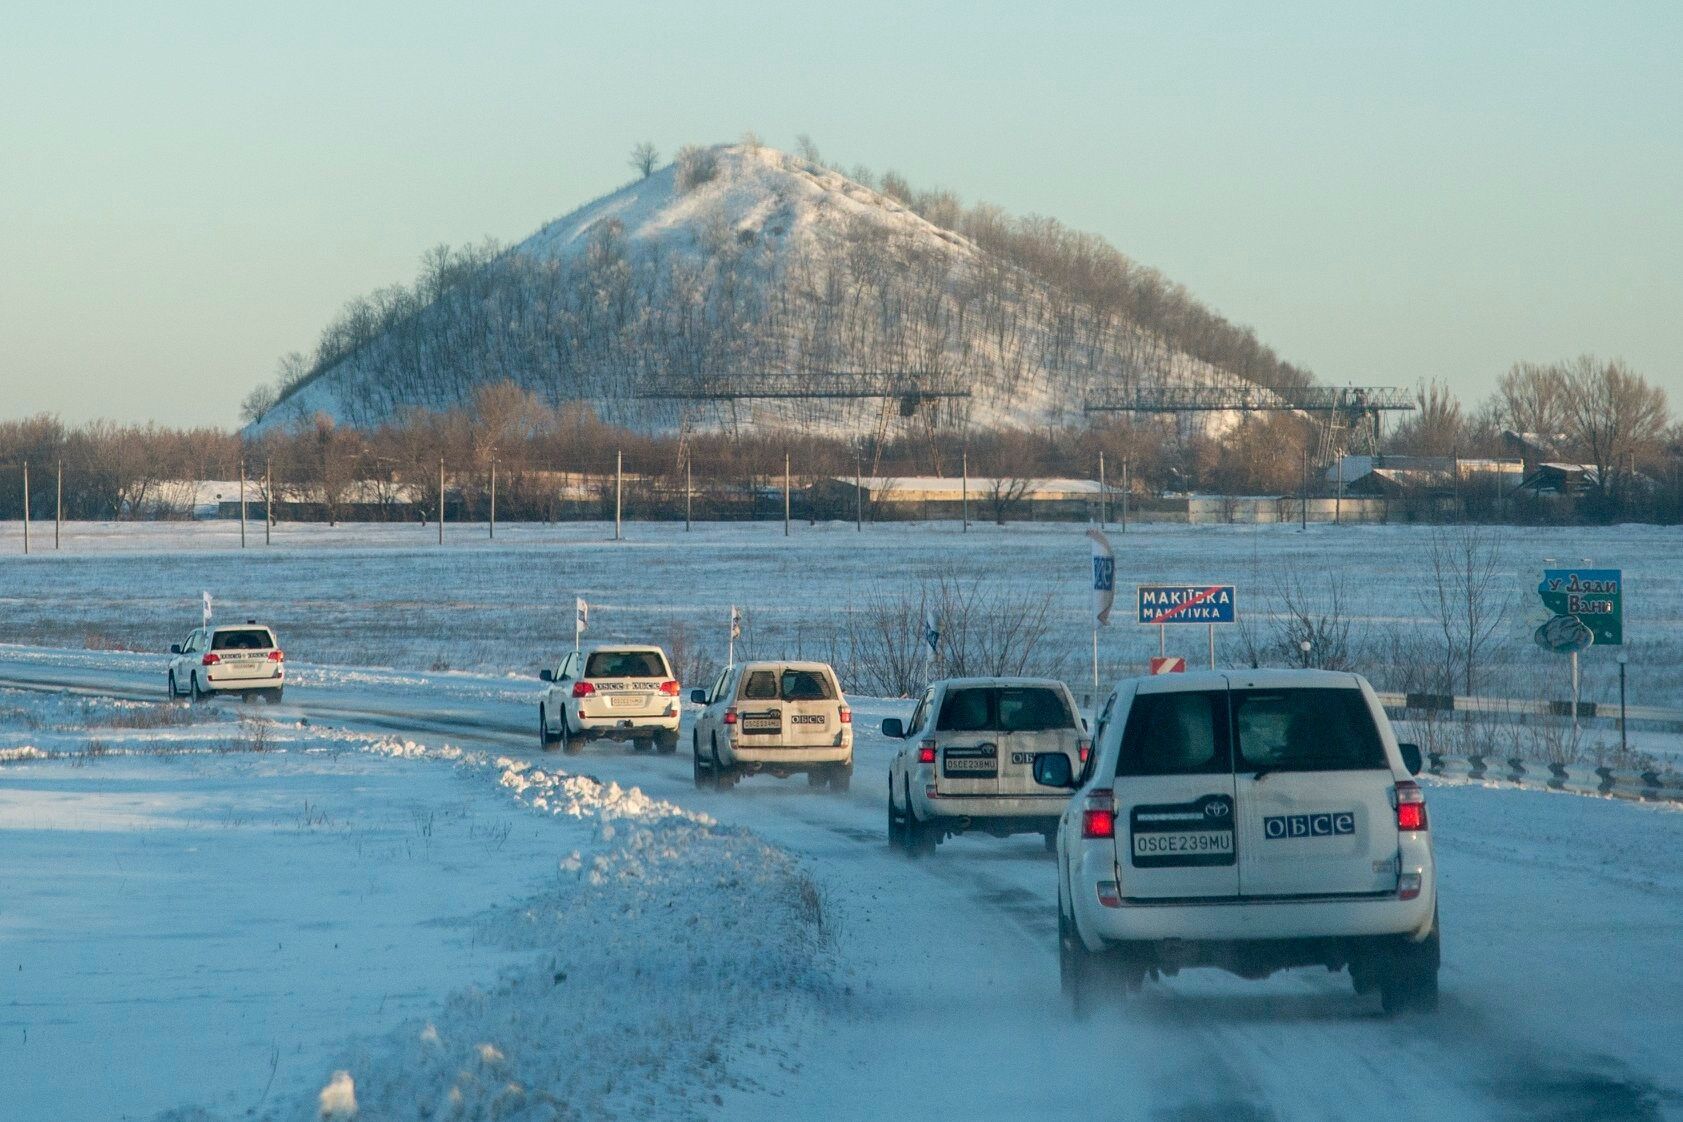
671, 963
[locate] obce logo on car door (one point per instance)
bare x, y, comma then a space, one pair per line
1323, 825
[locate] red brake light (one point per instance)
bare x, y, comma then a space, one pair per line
846, 715
730, 716
1411, 805
1086, 749
210, 659
1098, 818
669, 688
926, 752
583, 689
276, 656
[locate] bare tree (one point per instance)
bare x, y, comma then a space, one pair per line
806, 149
1437, 428
1315, 616
1468, 595
644, 158
1531, 398
1612, 414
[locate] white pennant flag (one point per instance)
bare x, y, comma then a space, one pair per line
583, 610
1104, 577
207, 609
735, 622
931, 634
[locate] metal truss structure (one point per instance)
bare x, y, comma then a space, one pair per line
1348, 416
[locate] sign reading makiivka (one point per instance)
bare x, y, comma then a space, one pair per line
1187, 603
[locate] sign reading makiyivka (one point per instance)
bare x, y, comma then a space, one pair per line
1186, 603
1587, 606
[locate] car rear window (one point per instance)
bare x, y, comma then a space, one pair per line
1181, 733
247, 639
760, 686
625, 664
807, 685
1004, 709
1305, 730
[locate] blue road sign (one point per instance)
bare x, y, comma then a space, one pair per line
1187, 603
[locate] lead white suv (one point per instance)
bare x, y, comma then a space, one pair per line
968, 764
245, 659
612, 693
775, 717
1252, 821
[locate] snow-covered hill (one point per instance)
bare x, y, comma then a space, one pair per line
734, 266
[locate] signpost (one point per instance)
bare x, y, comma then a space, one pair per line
1166, 605
1587, 609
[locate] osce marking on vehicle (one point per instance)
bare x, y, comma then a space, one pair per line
1186, 603
807, 719
1023, 757
1326, 825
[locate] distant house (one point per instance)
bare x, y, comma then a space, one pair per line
1533, 448
990, 497
1396, 477
1562, 479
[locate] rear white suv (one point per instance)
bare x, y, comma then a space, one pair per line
968, 764
236, 658
774, 717
610, 693
1251, 821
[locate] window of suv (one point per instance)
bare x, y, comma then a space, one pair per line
1305, 730
760, 685
965, 710
1032, 709
1182, 733
807, 685
248, 639
625, 664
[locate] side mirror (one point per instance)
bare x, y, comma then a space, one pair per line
1411, 757
699, 697
175, 648
547, 674
1051, 769
894, 728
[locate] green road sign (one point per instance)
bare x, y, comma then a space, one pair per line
1594, 597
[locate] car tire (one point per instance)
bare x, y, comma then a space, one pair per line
570, 745
273, 697
174, 694
642, 743
841, 778
922, 837
896, 822
818, 777
1408, 978
702, 778
666, 743
724, 778
193, 690
1076, 969
546, 739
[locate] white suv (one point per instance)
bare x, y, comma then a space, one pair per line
244, 659
776, 717
612, 693
969, 761
1252, 821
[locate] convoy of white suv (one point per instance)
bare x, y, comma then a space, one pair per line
1252, 820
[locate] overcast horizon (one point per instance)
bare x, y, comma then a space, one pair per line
189, 192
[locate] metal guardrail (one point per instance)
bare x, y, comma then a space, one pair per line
1581, 779
1402, 704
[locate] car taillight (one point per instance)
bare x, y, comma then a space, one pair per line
846, 716
1411, 805
583, 689
730, 716
926, 752
669, 688
276, 656
210, 659
1086, 748
1098, 817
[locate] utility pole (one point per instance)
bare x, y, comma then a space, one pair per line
1104, 496
785, 494
493, 526
1124, 494
1303, 503
242, 504
26, 507
268, 499
1338, 503
965, 461
689, 492
441, 500
859, 492
619, 491
58, 509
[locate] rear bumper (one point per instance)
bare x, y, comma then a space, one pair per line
215, 684
789, 758
1043, 810
624, 726
1229, 923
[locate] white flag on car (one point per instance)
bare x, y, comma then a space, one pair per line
932, 635
207, 609
581, 619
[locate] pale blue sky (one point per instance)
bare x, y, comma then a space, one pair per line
1386, 193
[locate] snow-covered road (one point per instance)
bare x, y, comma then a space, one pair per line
1563, 916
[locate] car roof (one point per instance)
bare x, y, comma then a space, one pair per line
1246, 678
241, 627
787, 664
1000, 680
596, 648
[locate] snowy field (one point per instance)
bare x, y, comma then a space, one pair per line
206, 913
389, 596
